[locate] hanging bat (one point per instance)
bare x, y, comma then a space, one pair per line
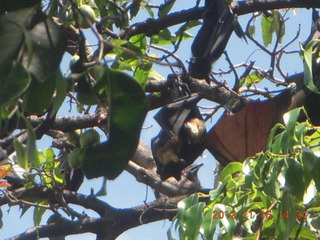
179, 142
218, 24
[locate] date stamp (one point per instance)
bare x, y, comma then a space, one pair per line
253, 214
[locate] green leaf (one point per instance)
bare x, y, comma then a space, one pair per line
193, 218
48, 43
11, 28
228, 223
272, 185
190, 216
164, 37
208, 225
188, 202
14, 80
294, 181
39, 95
290, 119
141, 72
230, 169
278, 25
308, 159
271, 139
186, 27
165, 8
31, 150
253, 78
125, 98
304, 233
315, 173
149, 11
140, 41
58, 173
22, 159
61, 92
38, 213
28, 43
266, 26
285, 225
49, 155
40, 46
85, 94
307, 56
134, 9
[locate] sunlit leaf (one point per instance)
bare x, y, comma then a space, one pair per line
253, 78
208, 225
228, 223
141, 72
230, 169
266, 26
164, 37
290, 119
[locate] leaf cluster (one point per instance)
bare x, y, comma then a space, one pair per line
274, 194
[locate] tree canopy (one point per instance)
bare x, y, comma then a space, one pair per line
266, 140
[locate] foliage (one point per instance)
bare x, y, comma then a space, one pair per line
274, 194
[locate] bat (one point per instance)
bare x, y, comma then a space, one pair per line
179, 142
218, 24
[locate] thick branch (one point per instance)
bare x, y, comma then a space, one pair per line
153, 26
214, 92
62, 229
246, 7
112, 223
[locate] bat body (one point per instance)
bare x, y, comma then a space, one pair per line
179, 143
218, 24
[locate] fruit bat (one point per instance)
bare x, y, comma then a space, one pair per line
218, 24
179, 142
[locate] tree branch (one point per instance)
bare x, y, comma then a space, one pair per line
112, 223
153, 26
245, 7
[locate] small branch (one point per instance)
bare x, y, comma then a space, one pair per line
236, 81
170, 187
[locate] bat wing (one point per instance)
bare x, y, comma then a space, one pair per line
172, 116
